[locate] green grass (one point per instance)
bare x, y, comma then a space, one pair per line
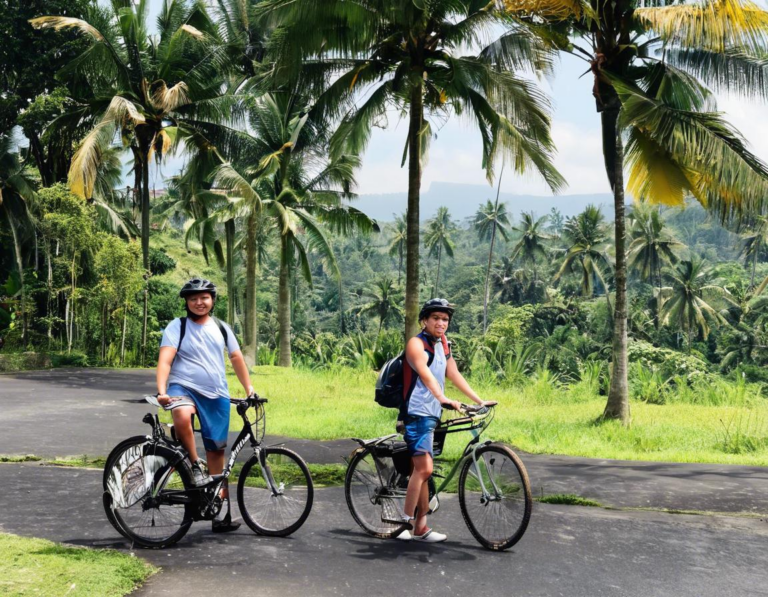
40, 567
568, 499
537, 418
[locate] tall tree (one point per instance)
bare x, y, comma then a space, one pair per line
408, 55
532, 244
153, 90
385, 301
296, 186
686, 303
755, 244
586, 254
490, 219
398, 242
438, 238
650, 67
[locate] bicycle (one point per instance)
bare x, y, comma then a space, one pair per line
494, 490
149, 496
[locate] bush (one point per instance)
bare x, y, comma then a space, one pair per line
72, 359
750, 373
160, 262
668, 362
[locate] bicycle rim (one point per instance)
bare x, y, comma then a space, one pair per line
499, 518
372, 493
140, 484
280, 507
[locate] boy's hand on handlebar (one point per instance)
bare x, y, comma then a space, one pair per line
453, 405
488, 403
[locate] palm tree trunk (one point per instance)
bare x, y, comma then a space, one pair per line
400, 265
486, 294
122, 341
437, 276
229, 230
617, 406
342, 326
284, 306
250, 330
72, 307
49, 293
20, 265
412, 215
145, 245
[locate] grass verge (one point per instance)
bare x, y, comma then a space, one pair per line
534, 418
41, 567
568, 499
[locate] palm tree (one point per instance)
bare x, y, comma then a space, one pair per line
438, 237
755, 244
651, 246
512, 284
153, 90
490, 219
531, 245
650, 67
407, 55
685, 301
296, 187
16, 188
586, 254
386, 300
397, 244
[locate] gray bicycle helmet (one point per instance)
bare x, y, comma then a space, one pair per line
436, 304
196, 285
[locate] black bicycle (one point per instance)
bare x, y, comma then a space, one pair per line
149, 496
494, 491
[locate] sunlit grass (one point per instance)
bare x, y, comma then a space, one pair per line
536, 418
40, 567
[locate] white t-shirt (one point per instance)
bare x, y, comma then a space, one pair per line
199, 363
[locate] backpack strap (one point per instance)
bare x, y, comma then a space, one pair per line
183, 322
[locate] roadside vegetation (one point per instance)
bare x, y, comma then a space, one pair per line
40, 567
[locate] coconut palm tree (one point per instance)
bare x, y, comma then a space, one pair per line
685, 301
282, 170
16, 188
490, 219
408, 56
651, 246
399, 239
650, 67
386, 301
532, 244
154, 90
586, 254
755, 244
438, 238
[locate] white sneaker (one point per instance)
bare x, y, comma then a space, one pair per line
405, 536
430, 537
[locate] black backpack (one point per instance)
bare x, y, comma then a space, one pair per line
397, 378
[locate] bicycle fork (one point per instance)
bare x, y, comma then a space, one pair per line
486, 495
266, 472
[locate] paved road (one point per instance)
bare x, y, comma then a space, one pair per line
567, 551
95, 408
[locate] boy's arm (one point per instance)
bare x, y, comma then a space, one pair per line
241, 370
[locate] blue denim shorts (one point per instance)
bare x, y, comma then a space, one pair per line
419, 434
213, 414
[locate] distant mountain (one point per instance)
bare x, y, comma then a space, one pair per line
462, 201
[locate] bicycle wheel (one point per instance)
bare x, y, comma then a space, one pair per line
145, 496
278, 508
116, 453
497, 518
374, 490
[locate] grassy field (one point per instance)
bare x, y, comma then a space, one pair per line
538, 418
40, 567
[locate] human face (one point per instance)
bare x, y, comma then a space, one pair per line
200, 303
436, 323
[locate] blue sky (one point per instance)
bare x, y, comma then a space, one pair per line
455, 155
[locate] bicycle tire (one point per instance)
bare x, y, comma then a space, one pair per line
263, 511
116, 452
507, 514
147, 521
366, 497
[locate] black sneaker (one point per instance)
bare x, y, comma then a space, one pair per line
224, 525
200, 477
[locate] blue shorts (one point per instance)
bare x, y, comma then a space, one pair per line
212, 412
419, 434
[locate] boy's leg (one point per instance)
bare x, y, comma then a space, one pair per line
216, 467
417, 486
182, 423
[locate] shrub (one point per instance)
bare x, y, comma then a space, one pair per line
668, 362
72, 359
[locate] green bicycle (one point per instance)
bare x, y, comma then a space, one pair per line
494, 491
